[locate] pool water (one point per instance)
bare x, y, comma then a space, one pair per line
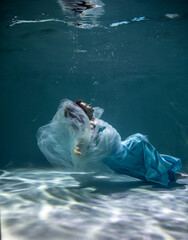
128, 57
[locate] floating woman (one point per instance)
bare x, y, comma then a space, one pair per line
77, 139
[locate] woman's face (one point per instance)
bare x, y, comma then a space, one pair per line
88, 109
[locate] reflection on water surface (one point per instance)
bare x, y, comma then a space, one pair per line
82, 13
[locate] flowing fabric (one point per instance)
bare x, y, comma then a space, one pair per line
102, 147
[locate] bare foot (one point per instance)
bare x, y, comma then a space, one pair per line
181, 176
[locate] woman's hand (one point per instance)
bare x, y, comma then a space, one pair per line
77, 151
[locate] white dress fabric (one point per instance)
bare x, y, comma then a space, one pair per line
102, 147
69, 126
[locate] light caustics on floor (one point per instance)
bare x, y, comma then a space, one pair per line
43, 204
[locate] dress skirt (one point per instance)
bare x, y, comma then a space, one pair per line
138, 158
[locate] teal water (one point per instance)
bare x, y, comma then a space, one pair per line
137, 71
128, 57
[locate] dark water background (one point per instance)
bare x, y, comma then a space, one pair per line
137, 72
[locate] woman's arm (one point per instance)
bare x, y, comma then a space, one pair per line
77, 147
80, 142
77, 151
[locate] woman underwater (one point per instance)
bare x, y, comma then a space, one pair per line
77, 139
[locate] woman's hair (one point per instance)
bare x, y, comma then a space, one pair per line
70, 111
78, 103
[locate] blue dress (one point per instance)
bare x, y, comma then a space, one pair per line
102, 147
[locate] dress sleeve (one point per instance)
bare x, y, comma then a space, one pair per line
57, 139
105, 140
98, 112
